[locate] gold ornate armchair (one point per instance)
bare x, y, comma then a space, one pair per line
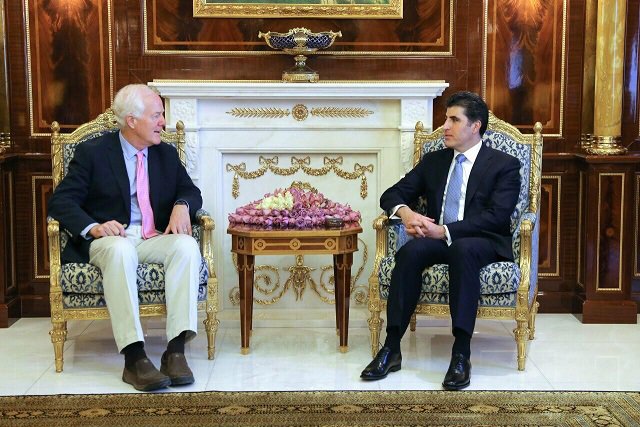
76, 291
508, 290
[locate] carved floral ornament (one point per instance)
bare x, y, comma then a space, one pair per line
297, 164
269, 287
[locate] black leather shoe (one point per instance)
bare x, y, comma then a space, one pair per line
144, 376
174, 365
459, 373
385, 361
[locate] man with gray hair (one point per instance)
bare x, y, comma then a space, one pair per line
127, 199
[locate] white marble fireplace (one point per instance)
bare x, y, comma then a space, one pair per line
348, 140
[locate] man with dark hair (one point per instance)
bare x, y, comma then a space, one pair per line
471, 191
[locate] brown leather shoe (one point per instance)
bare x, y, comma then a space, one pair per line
174, 365
144, 376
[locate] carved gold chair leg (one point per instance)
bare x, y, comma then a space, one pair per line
413, 322
58, 337
532, 320
211, 322
375, 326
211, 328
521, 333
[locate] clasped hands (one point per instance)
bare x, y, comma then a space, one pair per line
418, 225
179, 223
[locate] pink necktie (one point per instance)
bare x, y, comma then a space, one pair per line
142, 189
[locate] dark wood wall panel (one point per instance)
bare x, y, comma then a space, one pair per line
9, 298
559, 212
611, 229
32, 188
525, 58
70, 62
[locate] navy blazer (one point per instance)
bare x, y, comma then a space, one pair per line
492, 194
96, 189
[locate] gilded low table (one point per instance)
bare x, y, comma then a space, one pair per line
249, 241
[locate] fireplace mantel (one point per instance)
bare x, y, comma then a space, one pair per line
275, 89
348, 139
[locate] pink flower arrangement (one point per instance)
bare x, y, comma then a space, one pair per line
292, 208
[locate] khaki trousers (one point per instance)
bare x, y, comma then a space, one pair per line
118, 258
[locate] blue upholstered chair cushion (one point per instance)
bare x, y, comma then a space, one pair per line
82, 284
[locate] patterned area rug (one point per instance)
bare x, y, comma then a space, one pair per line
343, 408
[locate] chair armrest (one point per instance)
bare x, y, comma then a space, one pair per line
55, 287
390, 236
206, 238
529, 236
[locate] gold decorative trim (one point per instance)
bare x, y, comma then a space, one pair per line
556, 273
330, 164
30, 68
204, 9
34, 213
619, 288
147, 51
606, 146
485, 41
101, 313
351, 112
562, 68
264, 113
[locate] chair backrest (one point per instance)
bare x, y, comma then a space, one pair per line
63, 146
504, 137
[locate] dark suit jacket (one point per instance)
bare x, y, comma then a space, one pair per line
96, 189
492, 194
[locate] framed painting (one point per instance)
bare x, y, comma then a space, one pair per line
348, 9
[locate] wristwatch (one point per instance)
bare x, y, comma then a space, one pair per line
181, 202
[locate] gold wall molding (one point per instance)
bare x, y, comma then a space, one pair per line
268, 282
266, 9
558, 179
331, 164
37, 215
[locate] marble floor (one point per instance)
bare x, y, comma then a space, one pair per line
565, 355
